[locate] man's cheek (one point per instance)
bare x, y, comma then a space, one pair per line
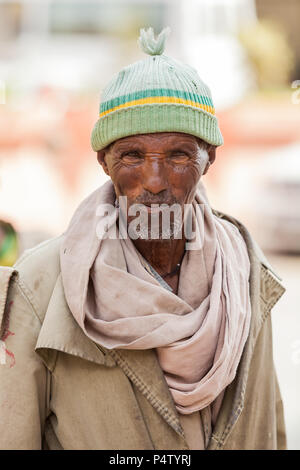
187, 179
196, 169
123, 176
129, 186
186, 188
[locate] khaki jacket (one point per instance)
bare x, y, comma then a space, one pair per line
59, 390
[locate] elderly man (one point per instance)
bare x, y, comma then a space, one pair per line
147, 324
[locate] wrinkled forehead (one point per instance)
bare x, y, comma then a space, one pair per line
159, 140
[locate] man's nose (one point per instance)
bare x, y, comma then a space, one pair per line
155, 179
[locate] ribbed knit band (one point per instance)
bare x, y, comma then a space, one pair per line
147, 119
157, 94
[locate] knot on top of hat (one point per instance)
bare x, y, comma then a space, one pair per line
151, 45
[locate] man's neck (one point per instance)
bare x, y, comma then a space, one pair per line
162, 255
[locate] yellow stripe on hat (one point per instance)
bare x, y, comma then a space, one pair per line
158, 100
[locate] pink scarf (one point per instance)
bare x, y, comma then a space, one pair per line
199, 334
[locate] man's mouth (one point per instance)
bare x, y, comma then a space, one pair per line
156, 207
153, 209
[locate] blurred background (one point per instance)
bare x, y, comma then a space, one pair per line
55, 58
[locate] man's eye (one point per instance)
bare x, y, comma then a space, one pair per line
131, 156
179, 156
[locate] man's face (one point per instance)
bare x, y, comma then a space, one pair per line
160, 168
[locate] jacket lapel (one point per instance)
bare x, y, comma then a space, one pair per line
143, 369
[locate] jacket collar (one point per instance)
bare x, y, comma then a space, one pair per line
60, 332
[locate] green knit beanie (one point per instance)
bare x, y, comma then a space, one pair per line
157, 94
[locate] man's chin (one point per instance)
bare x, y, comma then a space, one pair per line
161, 236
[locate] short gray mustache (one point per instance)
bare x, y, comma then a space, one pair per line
161, 199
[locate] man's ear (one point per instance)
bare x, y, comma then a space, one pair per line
211, 157
101, 159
